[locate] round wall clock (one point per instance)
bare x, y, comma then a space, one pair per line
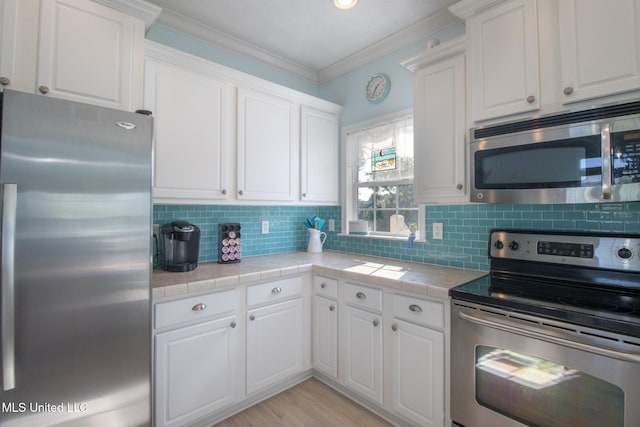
378, 88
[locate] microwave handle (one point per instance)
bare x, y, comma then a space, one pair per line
605, 133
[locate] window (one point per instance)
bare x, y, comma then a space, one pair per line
379, 172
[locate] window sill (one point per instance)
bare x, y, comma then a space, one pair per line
378, 236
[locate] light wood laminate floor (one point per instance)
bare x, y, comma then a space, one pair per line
309, 404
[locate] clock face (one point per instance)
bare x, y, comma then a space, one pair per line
378, 88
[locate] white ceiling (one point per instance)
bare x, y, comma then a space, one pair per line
309, 38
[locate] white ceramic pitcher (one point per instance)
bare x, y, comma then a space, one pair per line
316, 240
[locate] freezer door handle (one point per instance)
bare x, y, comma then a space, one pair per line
9, 201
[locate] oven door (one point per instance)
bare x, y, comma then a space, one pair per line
510, 369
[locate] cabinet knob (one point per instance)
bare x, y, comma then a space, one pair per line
415, 308
304, 194
531, 99
361, 295
5, 81
332, 307
568, 90
241, 192
459, 187
394, 327
276, 290
224, 192
375, 323
43, 89
252, 317
233, 324
199, 307
323, 285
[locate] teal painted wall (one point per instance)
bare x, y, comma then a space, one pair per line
160, 34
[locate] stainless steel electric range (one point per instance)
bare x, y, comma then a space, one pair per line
551, 336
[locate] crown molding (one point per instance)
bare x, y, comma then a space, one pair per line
418, 31
467, 8
140, 9
442, 51
192, 28
222, 40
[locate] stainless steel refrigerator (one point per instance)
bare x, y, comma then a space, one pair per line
76, 263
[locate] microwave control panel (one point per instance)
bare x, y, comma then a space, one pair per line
626, 157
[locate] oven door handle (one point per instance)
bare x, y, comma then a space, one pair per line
627, 357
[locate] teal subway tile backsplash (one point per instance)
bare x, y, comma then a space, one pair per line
466, 228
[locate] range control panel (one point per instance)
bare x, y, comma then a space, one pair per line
611, 251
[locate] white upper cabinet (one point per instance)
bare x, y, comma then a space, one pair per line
268, 146
504, 60
91, 53
319, 172
8, 22
439, 123
192, 114
600, 48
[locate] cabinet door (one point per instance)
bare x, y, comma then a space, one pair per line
504, 60
363, 352
319, 156
195, 371
418, 373
600, 48
191, 132
325, 336
90, 53
439, 141
267, 146
8, 22
274, 344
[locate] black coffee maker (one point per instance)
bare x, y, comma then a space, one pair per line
181, 244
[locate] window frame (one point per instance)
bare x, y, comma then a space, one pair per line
350, 184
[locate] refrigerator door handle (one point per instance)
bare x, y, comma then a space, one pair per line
9, 202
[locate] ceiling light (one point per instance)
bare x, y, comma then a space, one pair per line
344, 4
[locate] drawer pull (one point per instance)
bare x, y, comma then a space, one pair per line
323, 285
43, 90
394, 327
276, 290
361, 295
199, 307
233, 324
415, 308
332, 307
252, 317
375, 323
5, 81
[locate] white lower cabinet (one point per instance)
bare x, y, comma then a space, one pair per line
274, 343
418, 373
325, 336
195, 371
363, 352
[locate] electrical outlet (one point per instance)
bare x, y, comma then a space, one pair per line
438, 231
265, 227
332, 225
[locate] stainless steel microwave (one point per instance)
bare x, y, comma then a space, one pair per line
587, 156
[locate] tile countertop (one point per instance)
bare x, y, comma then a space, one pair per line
423, 279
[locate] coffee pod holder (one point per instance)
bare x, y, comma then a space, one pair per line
229, 243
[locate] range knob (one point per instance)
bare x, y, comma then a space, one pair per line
514, 245
625, 253
498, 244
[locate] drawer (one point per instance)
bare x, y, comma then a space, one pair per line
422, 312
363, 296
325, 286
195, 308
274, 291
